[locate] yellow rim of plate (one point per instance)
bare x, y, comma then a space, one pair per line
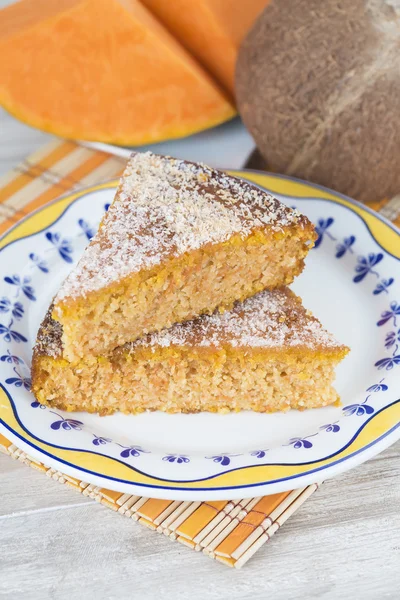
379, 425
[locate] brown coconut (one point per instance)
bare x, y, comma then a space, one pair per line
318, 86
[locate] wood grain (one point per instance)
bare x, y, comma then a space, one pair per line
344, 542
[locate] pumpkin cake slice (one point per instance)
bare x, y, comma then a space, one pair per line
265, 354
179, 240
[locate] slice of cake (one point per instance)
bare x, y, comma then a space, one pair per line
179, 240
266, 354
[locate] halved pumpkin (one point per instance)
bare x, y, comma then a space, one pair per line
103, 70
212, 30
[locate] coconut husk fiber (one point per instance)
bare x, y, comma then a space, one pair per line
318, 86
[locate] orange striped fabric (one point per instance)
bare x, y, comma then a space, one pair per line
50, 172
62, 166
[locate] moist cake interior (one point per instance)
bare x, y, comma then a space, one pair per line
179, 240
265, 354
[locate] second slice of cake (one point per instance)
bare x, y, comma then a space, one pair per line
266, 354
179, 240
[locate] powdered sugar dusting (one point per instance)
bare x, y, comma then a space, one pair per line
165, 207
275, 319
269, 319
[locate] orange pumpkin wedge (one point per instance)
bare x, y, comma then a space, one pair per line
212, 30
102, 70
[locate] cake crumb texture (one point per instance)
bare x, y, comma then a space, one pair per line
166, 207
266, 354
180, 240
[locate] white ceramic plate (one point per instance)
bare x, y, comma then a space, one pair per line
351, 282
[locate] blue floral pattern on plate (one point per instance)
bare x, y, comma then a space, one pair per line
383, 286
11, 359
10, 334
259, 453
36, 404
392, 313
63, 245
330, 427
301, 442
22, 284
345, 246
132, 451
223, 459
20, 380
179, 459
65, 424
87, 229
358, 409
39, 262
99, 440
322, 226
364, 266
16, 308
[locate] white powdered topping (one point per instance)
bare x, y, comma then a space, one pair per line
274, 319
165, 207
268, 320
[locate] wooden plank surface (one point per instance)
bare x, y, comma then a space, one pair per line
344, 542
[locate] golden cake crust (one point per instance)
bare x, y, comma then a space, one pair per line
274, 320
265, 354
166, 207
179, 240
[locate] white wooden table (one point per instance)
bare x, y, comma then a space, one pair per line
343, 543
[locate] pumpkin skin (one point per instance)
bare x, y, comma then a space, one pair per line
103, 70
318, 86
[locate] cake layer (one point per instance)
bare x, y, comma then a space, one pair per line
266, 354
179, 240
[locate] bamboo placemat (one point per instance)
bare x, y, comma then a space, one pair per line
229, 531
